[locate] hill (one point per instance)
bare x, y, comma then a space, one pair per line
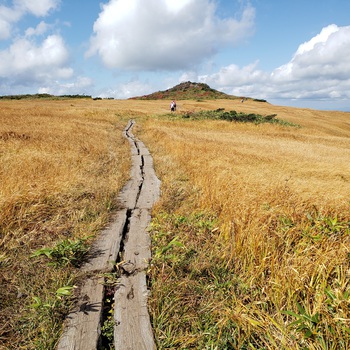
187, 91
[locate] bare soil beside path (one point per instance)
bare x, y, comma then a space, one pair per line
127, 242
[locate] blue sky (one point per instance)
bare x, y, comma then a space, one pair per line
293, 53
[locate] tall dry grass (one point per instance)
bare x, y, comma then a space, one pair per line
62, 166
251, 236
251, 233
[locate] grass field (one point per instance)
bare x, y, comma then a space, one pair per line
62, 165
250, 237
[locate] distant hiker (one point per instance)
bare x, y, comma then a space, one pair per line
173, 106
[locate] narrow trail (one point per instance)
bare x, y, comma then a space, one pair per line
127, 242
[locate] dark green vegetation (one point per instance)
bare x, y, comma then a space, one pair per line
66, 252
233, 116
41, 96
187, 91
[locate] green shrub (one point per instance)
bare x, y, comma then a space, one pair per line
67, 252
233, 116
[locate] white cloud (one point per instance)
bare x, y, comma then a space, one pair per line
40, 29
5, 29
325, 56
165, 34
31, 60
318, 39
38, 8
79, 86
320, 68
130, 89
9, 15
26, 60
189, 76
234, 75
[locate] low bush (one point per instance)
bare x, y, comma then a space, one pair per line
233, 116
67, 252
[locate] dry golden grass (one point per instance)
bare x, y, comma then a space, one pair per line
279, 198
62, 165
253, 219
312, 161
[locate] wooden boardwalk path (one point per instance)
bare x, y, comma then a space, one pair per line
127, 237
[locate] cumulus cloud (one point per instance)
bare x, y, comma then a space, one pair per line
129, 89
80, 86
40, 29
5, 29
38, 8
321, 65
189, 76
320, 69
165, 34
234, 75
9, 15
25, 59
326, 56
35, 57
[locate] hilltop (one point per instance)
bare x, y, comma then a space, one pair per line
187, 91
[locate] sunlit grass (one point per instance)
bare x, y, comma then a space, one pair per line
261, 219
250, 237
62, 166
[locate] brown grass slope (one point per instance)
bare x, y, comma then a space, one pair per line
251, 233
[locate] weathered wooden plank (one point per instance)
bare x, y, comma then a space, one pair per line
130, 191
137, 245
82, 326
133, 327
151, 185
104, 251
82, 330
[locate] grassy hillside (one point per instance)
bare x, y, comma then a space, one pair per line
250, 237
187, 91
